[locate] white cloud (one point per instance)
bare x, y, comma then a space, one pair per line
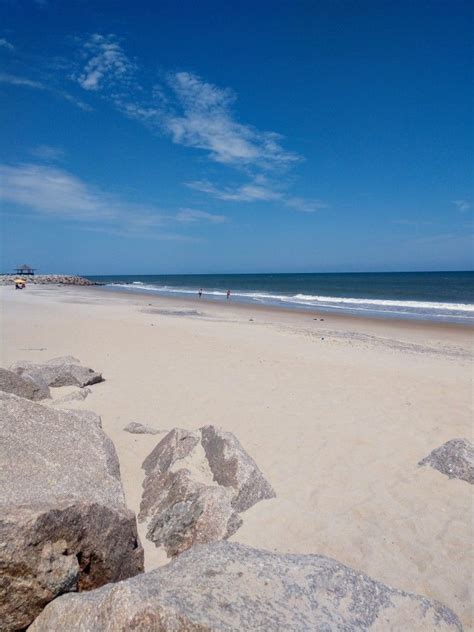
205, 121
197, 114
462, 205
107, 63
193, 112
24, 82
53, 191
189, 215
259, 190
21, 81
6, 44
303, 205
245, 193
47, 152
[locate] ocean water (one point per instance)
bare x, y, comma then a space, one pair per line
441, 296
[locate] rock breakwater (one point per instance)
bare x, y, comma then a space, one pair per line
47, 279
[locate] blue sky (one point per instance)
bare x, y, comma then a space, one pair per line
236, 136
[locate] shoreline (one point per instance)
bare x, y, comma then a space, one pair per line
305, 313
300, 307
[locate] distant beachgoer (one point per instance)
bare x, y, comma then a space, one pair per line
228, 294
200, 293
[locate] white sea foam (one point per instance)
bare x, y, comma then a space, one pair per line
381, 306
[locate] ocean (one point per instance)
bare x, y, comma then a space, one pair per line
440, 296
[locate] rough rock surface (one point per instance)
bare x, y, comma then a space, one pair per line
454, 458
177, 444
64, 371
233, 467
190, 506
11, 382
76, 396
47, 279
136, 428
224, 586
63, 521
186, 512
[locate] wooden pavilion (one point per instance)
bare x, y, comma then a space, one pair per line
24, 269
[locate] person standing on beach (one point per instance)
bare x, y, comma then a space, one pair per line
228, 294
200, 293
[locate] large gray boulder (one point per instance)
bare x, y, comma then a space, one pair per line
454, 458
233, 467
186, 512
63, 521
10, 382
176, 445
200, 502
224, 586
63, 371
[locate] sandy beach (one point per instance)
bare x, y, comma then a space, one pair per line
336, 411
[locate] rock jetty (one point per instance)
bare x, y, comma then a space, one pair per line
47, 279
228, 586
64, 525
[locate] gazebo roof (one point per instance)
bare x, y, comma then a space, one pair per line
25, 267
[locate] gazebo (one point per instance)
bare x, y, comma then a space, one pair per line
24, 269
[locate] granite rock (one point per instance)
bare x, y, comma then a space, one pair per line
137, 428
201, 504
186, 512
454, 458
63, 524
57, 372
11, 382
232, 587
176, 445
76, 396
233, 467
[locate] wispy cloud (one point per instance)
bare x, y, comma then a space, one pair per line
305, 206
106, 63
24, 82
6, 44
193, 112
204, 120
54, 192
189, 215
462, 205
258, 190
21, 81
245, 193
47, 152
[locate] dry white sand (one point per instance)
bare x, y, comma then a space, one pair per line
337, 425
